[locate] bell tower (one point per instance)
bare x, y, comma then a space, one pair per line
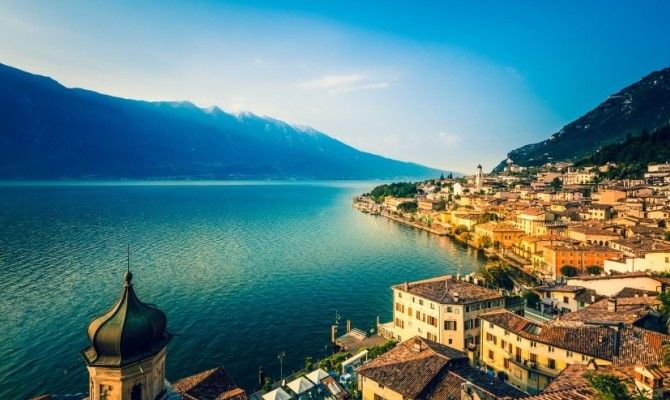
478, 178
126, 356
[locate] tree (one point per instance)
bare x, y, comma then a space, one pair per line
410, 206
667, 236
593, 270
532, 298
441, 177
267, 385
309, 364
556, 184
466, 236
485, 242
502, 375
569, 270
460, 229
498, 275
610, 387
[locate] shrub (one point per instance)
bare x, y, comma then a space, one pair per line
569, 270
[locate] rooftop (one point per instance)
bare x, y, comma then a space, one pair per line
212, 384
628, 310
448, 290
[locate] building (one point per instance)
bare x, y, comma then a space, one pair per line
581, 177
610, 285
609, 196
127, 354
419, 369
532, 354
556, 256
479, 178
393, 202
442, 309
592, 235
502, 234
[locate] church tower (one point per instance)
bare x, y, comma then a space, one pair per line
478, 178
126, 356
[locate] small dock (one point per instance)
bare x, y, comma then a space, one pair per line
356, 339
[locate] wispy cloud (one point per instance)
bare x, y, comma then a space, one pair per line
448, 138
336, 84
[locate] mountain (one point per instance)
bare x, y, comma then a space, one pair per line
48, 131
644, 105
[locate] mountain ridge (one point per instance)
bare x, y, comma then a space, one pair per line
49, 131
642, 105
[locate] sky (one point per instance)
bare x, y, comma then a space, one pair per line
445, 84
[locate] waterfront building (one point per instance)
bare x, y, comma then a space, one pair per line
503, 234
393, 202
556, 256
421, 369
532, 354
610, 285
442, 309
127, 354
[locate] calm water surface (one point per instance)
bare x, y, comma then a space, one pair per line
242, 270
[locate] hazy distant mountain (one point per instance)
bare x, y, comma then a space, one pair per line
48, 131
642, 105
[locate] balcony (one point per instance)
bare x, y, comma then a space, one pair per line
533, 366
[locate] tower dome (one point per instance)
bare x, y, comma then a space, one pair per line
129, 332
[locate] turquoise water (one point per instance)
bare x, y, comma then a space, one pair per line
243, 271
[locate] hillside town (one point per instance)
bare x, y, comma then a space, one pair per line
594, 305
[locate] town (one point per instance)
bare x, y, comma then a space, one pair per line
574, 303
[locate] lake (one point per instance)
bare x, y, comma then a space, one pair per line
243, 270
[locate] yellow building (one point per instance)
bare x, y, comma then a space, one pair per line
505, 235
532, 355
442, 309
419, 369
393, 202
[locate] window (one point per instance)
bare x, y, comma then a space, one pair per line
532, 357
506, 363
533, 344
450, 309
378, 397
551, 363
491, 325
506, 333
399, 294
503, 344
399, 307
490, 354
551, 349
420, 302
568, 353
432, 306
532, 375
467, 308
409, 311
418, 314
431, 320
399, 323
450, 340
565, 300
136, 392
431, 336
449, 325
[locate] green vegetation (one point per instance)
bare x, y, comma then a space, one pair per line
487, 217
485, 242
532, 298
460, 229
498, 275
334, 362
610, 387
556, 184
569, 271
376, 351
396, 189
410, 206
633, 154
593, 270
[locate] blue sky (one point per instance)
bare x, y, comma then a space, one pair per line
442, 83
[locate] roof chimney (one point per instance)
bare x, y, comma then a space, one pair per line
406, 286
455, 297
611, 304
417, 345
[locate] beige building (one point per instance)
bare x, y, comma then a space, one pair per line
532, 354
505, 235
442, 309
419, 369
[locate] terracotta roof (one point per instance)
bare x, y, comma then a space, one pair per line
212, 384
628, 310
422, 369
449, 290
623, 345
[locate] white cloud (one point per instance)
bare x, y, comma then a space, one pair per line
448, 138
336, 84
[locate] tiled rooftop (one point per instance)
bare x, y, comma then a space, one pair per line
212, 384
449, 290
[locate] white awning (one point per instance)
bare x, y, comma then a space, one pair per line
277, 394
300, 385
316, 375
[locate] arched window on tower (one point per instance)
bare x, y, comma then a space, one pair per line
136, 393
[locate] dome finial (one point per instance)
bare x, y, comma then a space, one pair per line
129, 275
